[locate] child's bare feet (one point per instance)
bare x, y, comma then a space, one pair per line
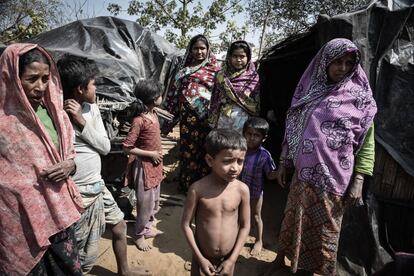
153, 234
257, 248
142, 244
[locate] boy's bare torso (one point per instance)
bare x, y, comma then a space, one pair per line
217, 217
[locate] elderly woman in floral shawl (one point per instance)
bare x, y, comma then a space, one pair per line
236, 95
329, 141
188, 100
38, 200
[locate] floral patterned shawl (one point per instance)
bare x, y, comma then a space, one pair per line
192, 84
327, 123
32, 209
239, 88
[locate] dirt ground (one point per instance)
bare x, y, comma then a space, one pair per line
170, 254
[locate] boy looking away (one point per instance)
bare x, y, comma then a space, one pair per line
258, 165
220, 204
78, 82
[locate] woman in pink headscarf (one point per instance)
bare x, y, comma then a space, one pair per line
38, 200
329, 141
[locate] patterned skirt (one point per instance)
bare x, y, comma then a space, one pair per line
61, 258
310, 229
193, 133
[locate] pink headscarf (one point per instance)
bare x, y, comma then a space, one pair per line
31, 208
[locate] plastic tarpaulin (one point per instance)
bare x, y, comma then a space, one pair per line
124, 51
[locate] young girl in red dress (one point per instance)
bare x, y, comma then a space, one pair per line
143, 144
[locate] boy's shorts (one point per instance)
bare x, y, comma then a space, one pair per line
97, 191
101, 208
113, 214
256, 191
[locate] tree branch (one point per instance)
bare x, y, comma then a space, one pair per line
17, 21
167, 13
231, 6
17, 36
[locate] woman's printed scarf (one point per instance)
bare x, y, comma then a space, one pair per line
235, 87
327, 123
32, 209
194, 84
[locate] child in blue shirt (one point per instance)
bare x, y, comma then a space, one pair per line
258, 165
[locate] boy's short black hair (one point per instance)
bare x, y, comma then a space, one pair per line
257, 123
75, 71
222, 139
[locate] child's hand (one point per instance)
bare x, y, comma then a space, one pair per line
207, 268
281, 175
74, 109
156, 157
225, 268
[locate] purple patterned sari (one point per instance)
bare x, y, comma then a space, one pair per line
327, 123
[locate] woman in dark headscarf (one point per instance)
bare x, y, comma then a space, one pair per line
188, 100
329, 141
236, 95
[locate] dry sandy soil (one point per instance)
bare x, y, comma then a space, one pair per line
170, 254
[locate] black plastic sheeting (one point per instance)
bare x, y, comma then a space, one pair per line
386, 41
124, 51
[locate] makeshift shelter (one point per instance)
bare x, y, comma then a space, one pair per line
370, 234
125, 53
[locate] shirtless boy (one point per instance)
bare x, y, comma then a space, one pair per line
220, 204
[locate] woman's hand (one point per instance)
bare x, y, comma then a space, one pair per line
156, 157
59, 171
354, 196
281, 175
74, 109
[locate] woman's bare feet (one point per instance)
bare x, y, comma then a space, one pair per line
142, 244
257, 248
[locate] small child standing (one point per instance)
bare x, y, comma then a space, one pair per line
144, 143
220, 204
258, 165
